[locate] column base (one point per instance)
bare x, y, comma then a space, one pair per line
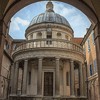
83, 96
57, 96
13, 94
73, 96
23, 94
39, 97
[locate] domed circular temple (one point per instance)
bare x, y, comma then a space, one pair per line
51, 62
50, 18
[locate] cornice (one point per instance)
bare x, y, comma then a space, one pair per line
47, 52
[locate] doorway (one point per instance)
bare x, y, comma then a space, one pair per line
48, 83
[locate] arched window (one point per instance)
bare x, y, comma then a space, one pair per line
39, 35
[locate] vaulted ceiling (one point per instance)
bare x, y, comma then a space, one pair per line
94, 5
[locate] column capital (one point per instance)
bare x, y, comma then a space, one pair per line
26, 60
12, 64
80, 64
57, 58
71, 60
17, 61
40, 58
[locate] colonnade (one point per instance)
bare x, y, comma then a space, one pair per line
14, 78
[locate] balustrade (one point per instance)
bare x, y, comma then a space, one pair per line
53, 43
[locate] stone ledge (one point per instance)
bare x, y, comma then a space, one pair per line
45, 98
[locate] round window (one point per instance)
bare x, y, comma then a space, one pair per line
59, 34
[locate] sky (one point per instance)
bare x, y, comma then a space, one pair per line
20, 21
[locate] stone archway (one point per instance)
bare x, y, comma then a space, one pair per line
77, 3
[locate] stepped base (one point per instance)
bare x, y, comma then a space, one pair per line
45, 98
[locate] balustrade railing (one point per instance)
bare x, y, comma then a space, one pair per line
49, 43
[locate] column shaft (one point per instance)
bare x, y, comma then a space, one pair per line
12, 78
24, 86
57, 83
84, 80
39, 77
81, 79
72, 91
16, 77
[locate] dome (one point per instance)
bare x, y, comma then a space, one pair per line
49, 16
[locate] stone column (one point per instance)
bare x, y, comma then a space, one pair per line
24, 85
12, 78
81, 79
97, 42
16, 77
72, 89
39, 77
57, 83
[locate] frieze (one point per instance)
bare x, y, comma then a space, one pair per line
49, 53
